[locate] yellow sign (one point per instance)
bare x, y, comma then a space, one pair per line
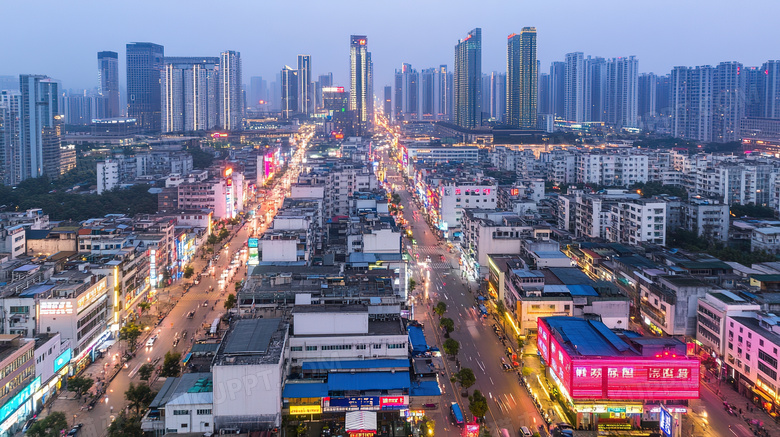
90, 296
305, 409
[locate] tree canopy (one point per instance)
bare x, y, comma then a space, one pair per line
478, 404
50, 426
171, 365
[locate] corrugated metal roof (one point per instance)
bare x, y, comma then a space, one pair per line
368, 381
305, 390
417, 340
354, 364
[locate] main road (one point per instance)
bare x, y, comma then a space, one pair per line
509, 405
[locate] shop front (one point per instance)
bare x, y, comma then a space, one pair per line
765, 396
18, 408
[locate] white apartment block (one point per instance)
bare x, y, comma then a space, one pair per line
107, 175
637, 221
621, 170
752, 345
713, 311
454, 197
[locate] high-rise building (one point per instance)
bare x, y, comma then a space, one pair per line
443, 92
360, 84
663, 97
398, 79
497, 92
594, 88
190, 94
522, 79
290, 94
467, 78
40, 120
108, 82
621, 96
728, 106
231, 99
324, 81
646, 100
387, 107
691, 102
574, 84
558, 89
428, 94
144, 66
771, 88
754, 80
543, 99
411, 92
305, 89
258, 92
10, 137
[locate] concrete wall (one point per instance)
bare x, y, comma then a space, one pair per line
247, 393
330, 323
279, 250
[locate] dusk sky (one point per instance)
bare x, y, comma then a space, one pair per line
61, 39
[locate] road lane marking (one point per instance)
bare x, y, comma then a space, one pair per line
491, 380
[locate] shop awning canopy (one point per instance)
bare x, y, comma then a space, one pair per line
357, 421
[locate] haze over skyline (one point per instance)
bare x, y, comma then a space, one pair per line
271, 34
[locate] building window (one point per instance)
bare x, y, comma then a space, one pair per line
181, 412
360, 347
296, 348
204, 412
311, 348
396, 345
183, 425
376, 346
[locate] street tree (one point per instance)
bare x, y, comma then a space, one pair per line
223, 233
427, 426
230, 301
212, 239
447, 324
51, 426
466, 377
80, 384
171, 365
139, 397
125, 426
144, 306
145, 371
478, 404
188, 272
440, 308
412, 285
451, 347
501, 308
130, 332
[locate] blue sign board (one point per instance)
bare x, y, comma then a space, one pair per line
355, 403
19, 399
62, 360
665, 422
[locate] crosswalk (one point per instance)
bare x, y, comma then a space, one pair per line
440, 265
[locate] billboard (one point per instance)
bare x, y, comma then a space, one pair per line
253, 244
305, 409
62, 360
351, 403
665, 422
617, 378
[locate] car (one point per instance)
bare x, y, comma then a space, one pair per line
206, 303
525, 432
28, 424
184, 334
150, 342
191, 314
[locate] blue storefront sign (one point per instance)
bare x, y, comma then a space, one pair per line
62, 360
19, 399
665, 422
351, 403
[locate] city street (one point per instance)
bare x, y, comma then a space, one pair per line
207, 306
510, 406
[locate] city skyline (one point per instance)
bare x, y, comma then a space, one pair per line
597, 32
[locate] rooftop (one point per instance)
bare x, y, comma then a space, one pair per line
253, 341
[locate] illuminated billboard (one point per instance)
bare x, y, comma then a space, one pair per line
629, 377
253, 244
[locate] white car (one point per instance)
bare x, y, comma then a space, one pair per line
150, 342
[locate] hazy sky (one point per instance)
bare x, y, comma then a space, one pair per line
61, 38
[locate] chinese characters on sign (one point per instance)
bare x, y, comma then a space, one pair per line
668, 373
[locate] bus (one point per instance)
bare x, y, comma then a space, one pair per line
457, 415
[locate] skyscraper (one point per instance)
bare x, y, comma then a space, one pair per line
387, 108
108, 82
467, 78
10, 137
728, 106
691, 102
258, 91
360, 83
544, 94
594, 89
444, 93
428, 94
647, 100
144, 66
754, 79
190, 94
324, 81
574, 83
771, 89
398, 79
411, 92
522, 79
231, 100
558, 89
305, 90
621, 95
290, 94
39, 116
498, 96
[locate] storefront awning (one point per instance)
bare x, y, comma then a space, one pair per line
360, 421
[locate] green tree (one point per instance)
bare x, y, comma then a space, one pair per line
139, 397
230, 301
80, 384
145, 371
223, 233
212, 239
448, 325
130, 332
412, 285
171, 365
239, 285
466, 377
125, 426
427, 426
527, 371
50, 426
752, 210
451, 347
501, 308
440, 308
188, 272
478, 404
144, 306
